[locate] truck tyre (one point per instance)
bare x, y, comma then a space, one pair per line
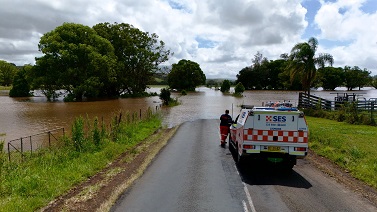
230, 146
240, 159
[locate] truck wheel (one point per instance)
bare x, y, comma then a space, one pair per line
230, 145
240, 159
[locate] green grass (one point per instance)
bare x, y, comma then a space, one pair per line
50, 173
5, 87
353, 147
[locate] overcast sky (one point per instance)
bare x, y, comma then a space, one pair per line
222, 36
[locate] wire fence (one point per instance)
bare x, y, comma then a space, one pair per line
21, 148
24, 147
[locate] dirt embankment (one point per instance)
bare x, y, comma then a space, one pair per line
101, 191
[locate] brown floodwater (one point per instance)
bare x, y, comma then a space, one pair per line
22, 117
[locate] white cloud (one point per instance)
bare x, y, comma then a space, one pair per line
235, 30
344, 20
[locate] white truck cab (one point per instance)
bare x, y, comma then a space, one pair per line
276, 133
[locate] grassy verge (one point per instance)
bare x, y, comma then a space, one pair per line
5, 87
352, 147
50, 173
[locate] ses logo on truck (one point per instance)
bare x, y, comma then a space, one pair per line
274, 119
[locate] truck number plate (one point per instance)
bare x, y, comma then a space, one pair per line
274, 148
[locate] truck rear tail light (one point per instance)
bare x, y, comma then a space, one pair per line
301, 149
248, 146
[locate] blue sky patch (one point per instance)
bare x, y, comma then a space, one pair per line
205, 43
369, 7
178, 6
312, 8
333, 44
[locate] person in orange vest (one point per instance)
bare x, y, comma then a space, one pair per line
225, 122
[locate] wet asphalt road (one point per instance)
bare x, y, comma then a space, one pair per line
193, 173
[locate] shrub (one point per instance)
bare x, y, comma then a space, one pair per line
225, 87
239, 88
96, 133
165, 96
21, 87
78, 133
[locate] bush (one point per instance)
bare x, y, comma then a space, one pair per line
225, 87
21, 87
347, 112
165, 96
239, 88
78, 137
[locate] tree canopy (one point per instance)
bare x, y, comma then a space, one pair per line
21, 86
77, 60
302, 62
138, 53
355, 77
104, 61
186, 75
7, 73
330, 77
225, 86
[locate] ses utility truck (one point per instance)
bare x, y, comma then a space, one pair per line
277, 133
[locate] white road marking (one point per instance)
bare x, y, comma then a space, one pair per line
247, 194
249, 198
244, 206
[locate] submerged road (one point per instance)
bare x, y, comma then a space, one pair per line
193, 173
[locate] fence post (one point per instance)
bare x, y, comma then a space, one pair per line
31, 145
22, 150
49, 138
140, 114
8, 152
300, 99
371, 112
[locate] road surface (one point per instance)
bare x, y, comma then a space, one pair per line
193, 173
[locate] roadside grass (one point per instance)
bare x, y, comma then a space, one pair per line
32, 184
5, 87
352, 147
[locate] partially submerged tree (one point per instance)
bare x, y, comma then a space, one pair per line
330, 77
239, 88
75, 59
104, 61
21, 87
138, 53
186, 75
225, 86
356, 77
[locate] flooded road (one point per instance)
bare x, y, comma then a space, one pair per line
27, 116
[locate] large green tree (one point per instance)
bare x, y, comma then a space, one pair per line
304, 62
77, 60
330, 77
356, 77
7, 73
256, 75
21, 86
186, 75
139, 55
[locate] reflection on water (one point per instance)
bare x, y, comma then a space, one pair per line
26, 116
